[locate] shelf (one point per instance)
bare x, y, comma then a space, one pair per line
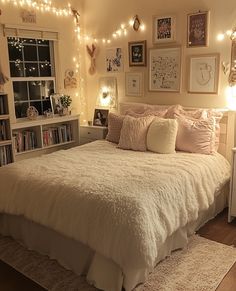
5, 142
4, 116
58, 144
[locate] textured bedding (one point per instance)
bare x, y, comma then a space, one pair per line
123, 204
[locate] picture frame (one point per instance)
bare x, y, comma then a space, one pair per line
204, 74
100, 117
56, 103
165, 69
134, 84
164, 29
114, 60
198, 29
137, 53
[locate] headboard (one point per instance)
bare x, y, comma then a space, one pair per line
227, 124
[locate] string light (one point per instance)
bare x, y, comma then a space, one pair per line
229, 33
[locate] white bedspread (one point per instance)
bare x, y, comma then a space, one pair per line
123, 204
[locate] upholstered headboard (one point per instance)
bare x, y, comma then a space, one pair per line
227, 124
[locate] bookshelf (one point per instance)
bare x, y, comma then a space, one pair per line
44, 135
6, 152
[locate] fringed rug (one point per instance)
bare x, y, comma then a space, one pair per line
199, 267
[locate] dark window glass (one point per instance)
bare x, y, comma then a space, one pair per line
29, 40
38, 105
20, 91
47, 105
44, 53
45, 70
34, 90
31, 70
21, 109
30, 53
14, 53
43, 42
47, 89
17, 69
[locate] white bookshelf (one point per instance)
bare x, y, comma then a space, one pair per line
44, 135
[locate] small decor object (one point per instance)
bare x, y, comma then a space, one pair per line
48, 113
114, 60
198, 24
204, 74
60, 104
165, 69
164, 29
92, 53
136, 23
70, 81
134, 84
32, 113
137, 53
28, 16
100, 117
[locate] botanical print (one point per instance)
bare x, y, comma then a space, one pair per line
114, 60
197, 29
165, 70
134, 84
70, 81
164, 28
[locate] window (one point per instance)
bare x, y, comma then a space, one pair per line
32, 73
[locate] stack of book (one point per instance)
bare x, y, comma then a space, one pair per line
57, 135
24, 141
3, 130
5, 155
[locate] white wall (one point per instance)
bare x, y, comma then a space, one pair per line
66, 47
103, 17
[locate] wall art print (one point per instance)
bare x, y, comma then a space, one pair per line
164, 29
137, 53
165, 69
114, 60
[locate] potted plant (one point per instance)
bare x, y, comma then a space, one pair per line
65, 103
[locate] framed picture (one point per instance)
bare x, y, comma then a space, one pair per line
100, 117
137, 53
204, 74
56, 103
114, 60
198, 24
165, 69
134, 84
164, 29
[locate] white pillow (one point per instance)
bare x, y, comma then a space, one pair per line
161, 136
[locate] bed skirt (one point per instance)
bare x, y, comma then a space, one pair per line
101, 272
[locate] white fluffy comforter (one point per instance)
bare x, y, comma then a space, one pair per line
123, 204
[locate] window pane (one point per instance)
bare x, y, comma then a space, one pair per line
21, 109
47, 89
29, 40
14, 53
20, 91
47, 105
44, 53
31, 70
34, 90
38, 106
17, 69
45, 69
30, 53
43, 42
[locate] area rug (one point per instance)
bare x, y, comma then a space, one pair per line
199, 267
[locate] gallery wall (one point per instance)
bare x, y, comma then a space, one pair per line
103, 17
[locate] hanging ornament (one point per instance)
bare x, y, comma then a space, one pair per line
92, 53
137, 23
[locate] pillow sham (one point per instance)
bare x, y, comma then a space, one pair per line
149, 112
196, 136
115, 123
161, 136
134, 133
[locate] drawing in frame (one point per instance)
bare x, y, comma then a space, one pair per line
204, 74
114, 60
198, 29
165, 69
134, 84
137, 53
164, 29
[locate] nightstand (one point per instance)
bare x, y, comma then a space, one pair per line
232, 195
91, 133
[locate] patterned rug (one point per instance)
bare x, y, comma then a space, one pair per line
199, 267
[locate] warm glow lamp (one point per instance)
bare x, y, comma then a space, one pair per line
107, 96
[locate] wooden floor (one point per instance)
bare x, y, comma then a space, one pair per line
218, 230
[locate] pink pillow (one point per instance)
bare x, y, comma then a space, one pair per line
149, 112
134, 133
196, 136
178, 110
115, 123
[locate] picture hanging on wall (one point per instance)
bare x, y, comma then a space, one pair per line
198, 29
137, 53
114, 60
134, 84
204, 74
164, 29
165, 69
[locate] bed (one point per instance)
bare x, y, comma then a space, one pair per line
109, 218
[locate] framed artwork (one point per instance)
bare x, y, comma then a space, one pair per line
56, 103
198, 29
137, 53
165, 69
204, 74
164, 29
114, 60
100, 117
134, 84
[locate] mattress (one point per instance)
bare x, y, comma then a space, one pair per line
124, 205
